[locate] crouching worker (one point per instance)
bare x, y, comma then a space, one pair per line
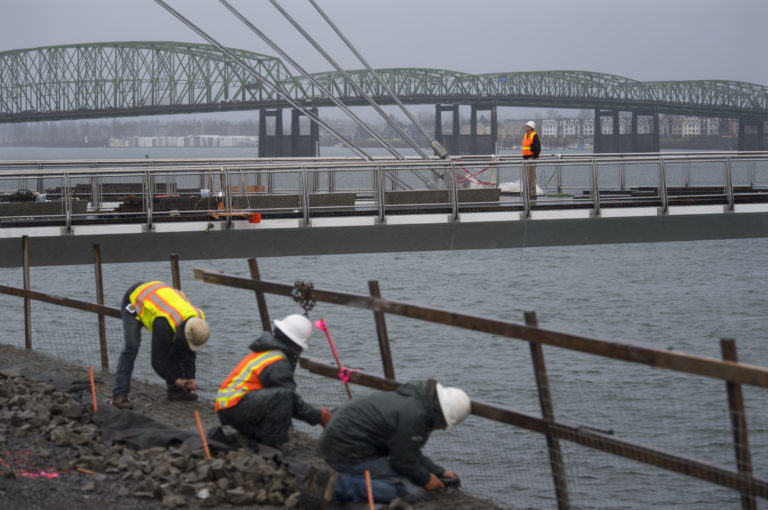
259, 397
384, 433
178, 330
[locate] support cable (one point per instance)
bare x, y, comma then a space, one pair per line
276, 88
352, 82
438, 148
312, 79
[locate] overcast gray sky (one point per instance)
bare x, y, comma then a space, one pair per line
639, 39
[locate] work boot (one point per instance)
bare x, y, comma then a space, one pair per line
318, 491
177, 394
122, 402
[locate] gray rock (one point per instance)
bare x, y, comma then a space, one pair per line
174, 501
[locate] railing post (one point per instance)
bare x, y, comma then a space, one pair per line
305, 196
175, 271
453, 189
664, 209
595, 178
27, 300
381, 331
738, 423
260, 296
524, 189
379, 181
149, 195
68, 197
100, 300
548, 413
729, 185
226, 196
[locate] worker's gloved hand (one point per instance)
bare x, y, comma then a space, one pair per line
450, 479
325, 416
434, 483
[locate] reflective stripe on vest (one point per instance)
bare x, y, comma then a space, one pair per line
156, 299
245, 378
528, 143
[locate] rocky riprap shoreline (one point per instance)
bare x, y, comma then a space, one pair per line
47, 437
53, 455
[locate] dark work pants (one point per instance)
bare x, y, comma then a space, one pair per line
264, 415
132, 338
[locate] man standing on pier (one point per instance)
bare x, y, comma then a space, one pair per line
178, 330
384, 433
531, 151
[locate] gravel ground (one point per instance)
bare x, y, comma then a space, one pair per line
39, 471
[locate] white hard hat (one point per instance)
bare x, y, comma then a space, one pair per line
197, 332
454, 404
297, 328
531, 124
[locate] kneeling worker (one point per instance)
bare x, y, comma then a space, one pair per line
178, 330
384, 433
259, 397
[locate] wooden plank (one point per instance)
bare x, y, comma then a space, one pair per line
61, 301
667, 359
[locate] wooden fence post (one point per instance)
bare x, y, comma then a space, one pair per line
175, 271
548, 413
381, 331
263, 312
27, 300
100, 300
738, 423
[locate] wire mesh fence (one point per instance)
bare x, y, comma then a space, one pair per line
685, 416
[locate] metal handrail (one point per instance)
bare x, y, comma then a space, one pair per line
399, 174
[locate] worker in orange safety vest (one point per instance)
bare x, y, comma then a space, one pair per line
259, 396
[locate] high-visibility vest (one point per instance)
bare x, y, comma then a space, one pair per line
156, 299
528, 143
245, 378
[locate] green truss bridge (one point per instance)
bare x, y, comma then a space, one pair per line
94, 80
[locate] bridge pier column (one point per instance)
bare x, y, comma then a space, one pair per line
629, 142
279, 145
751, 135
450, 142
606, 143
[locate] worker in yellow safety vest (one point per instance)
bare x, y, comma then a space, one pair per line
178, 330
531, 151
259, 396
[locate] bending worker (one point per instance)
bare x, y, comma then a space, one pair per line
531, 151
178, 330
259, 397
384, 433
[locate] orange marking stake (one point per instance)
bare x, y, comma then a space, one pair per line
93, 388
202, 435
368, 488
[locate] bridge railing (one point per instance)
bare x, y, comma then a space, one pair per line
74, 193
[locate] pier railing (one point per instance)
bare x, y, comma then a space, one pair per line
555, 430
148, 192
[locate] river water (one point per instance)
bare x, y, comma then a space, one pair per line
684, 296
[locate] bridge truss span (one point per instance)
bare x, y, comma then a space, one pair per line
145, 78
